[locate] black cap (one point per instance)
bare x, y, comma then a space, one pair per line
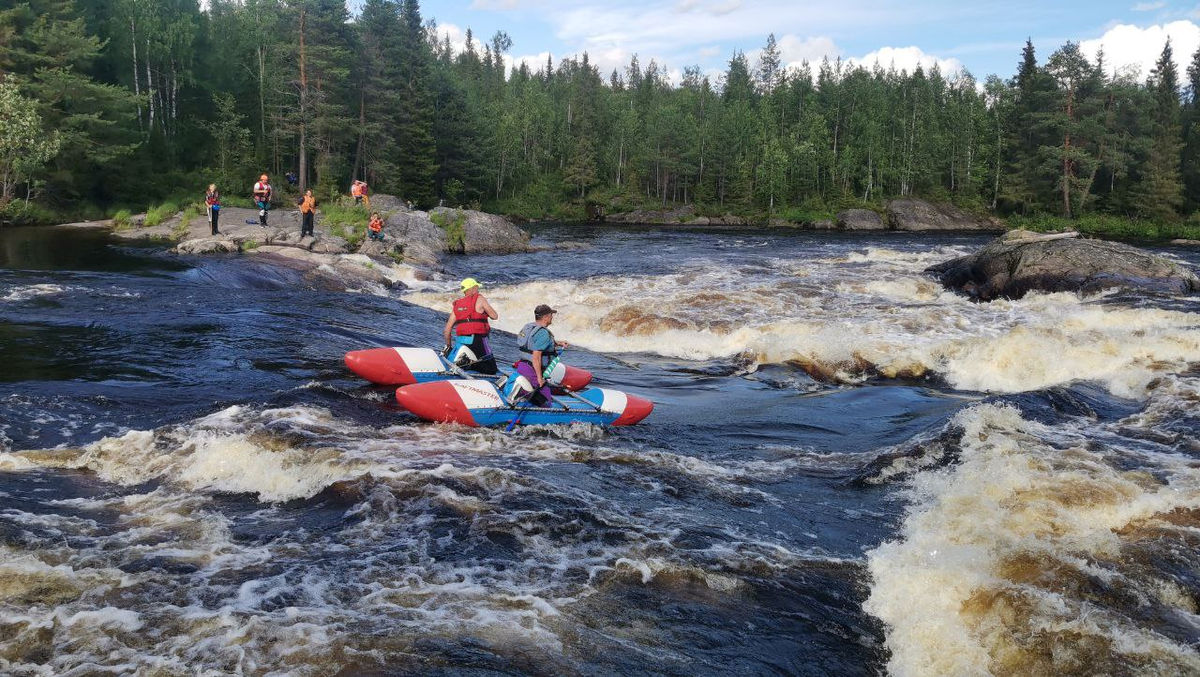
542, 311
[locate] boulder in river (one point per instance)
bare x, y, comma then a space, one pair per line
1021, 261
919, 215
860, 219
472, 232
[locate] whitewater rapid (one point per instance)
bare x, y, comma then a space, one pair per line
868, 313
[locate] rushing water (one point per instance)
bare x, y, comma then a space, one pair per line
848, 471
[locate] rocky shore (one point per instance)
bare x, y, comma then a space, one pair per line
902, 215
412, 248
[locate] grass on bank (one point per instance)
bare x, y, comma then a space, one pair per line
455, 236
346, 220
1108, 225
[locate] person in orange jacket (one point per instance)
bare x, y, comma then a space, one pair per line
308, 210
375, 227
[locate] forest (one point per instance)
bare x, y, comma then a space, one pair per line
108, 104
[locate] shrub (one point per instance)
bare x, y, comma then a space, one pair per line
453, 228
346, 220
250, 245
156, 215
120, 220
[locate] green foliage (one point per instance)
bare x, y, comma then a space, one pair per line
25, 145
1107, 225
453, 228
159, 213
121, 219
346, 220
150, 100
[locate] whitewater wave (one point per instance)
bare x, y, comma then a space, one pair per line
867, 314
1042, 552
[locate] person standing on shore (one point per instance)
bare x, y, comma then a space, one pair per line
262, 198
308, 209
213, 201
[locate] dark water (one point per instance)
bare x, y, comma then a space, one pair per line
195, 483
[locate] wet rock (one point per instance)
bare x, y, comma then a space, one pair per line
860, 219
822, 224
1186, 242
1020, 261
700, 221
388, 248
207, 245
918, 215
473, 232
421, 240
329, 244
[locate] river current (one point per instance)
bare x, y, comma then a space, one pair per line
848, 471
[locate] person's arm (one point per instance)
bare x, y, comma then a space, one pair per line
484, 307
536, 359
448, 328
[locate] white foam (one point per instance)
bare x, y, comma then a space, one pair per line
958, 590
843, 318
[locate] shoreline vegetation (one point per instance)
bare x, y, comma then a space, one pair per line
115, 124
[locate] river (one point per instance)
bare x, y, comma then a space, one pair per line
848, 471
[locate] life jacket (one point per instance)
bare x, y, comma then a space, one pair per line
375, 225
262, 190
309, 205
525, 342
212, 199
467, 320
356, 190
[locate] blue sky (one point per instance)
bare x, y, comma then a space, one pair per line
984, 37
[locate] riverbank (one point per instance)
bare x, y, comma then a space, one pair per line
338, 254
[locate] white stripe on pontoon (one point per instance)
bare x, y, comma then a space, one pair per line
421, 359
614, 401
477, 394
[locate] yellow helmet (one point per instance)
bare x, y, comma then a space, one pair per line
468, 283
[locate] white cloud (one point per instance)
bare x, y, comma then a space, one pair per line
495, 5
1149, 6
1130, 48
906, 59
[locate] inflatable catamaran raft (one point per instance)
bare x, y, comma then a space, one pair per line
404, 366
434, 388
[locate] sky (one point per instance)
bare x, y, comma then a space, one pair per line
983, 37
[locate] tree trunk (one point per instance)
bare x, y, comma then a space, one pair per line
137, 87
303, 150
149, 88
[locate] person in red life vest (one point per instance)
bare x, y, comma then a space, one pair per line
540, 348
212, 201
308, 211
262, 198
468, 323
375, 227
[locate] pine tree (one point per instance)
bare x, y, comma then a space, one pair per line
415, 116
1160, 193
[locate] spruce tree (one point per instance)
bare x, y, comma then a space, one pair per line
415, 142
1160, 192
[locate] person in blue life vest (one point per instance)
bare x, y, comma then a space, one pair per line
539, 348
467, 329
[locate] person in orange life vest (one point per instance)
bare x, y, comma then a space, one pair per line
212, 200
308, 211
468, 322
359, 191
262, 198
375, 227
540, 347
